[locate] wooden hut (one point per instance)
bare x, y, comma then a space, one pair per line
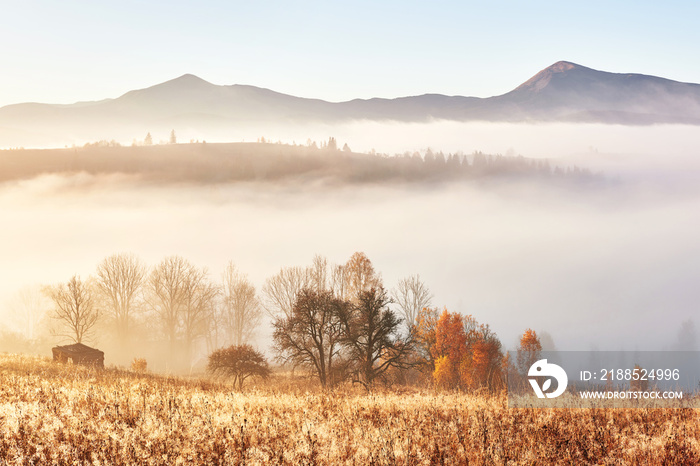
79, 354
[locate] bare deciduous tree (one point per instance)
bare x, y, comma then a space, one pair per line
119, 279
339, 282
310, 336
75, 309
371, 334
198, 306
167, 287
411, 295
216, 326
28, 306
280, 292
323, 276
241, 307
359, 275
183, 299
318, 274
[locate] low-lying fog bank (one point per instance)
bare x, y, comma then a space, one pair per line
540, 140
612, 266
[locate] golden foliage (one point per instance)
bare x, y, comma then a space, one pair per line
444, 375
530, 341
467, 355
529, 350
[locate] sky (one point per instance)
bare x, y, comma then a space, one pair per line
76, 50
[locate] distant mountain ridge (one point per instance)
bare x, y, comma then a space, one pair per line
563, 91
571, 92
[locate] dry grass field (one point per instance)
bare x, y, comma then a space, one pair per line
57, 414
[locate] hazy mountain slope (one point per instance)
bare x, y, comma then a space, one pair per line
566, 91
562, 92
190, 95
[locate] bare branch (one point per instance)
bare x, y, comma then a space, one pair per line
119, 279
240, 305
411, 296
75, 308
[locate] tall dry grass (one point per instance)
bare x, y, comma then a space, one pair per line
57, 414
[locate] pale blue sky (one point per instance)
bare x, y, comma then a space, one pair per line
62, 52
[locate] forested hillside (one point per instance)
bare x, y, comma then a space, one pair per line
232, 162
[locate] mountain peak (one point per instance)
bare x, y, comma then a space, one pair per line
187, 83
188, 79
562, 66
542, 79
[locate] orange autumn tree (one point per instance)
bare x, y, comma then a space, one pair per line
467, 354
450, 349
424, 335
484, 367
529, 350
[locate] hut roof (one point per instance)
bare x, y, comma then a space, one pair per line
78, 349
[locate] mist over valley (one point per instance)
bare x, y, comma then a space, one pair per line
592, 258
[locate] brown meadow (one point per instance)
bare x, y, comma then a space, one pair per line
60, 414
